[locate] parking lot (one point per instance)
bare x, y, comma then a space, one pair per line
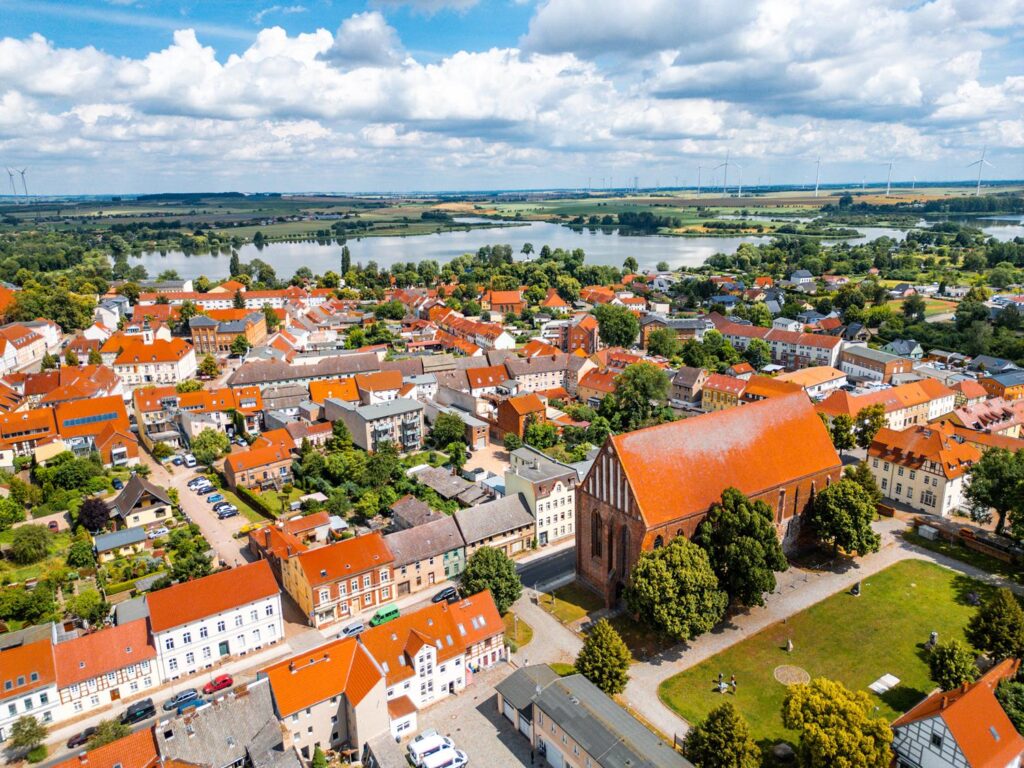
472, 721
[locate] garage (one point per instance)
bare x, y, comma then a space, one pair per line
509, 711
552, 755
525, 726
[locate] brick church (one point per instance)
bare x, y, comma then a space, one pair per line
648, 486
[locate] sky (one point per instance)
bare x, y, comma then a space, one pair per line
135, 96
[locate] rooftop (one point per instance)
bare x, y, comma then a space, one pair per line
345, 558
493, 518
431, 539
98, 653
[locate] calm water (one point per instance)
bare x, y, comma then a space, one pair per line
610, 248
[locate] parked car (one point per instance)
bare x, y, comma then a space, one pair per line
384, 615
156, 533
177, 461
118, 484
218, 684
222, 505
139, 711
190, 460
224, 514
195, 482
451, 594
181, 697
81, 738
424, 735
53, 525
423, 748
448, 757
214, 498
352, 629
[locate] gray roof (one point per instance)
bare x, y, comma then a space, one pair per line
407, 366
202, 321
687, 376
396, 407
132, 492
265, 371
868, 353
499, 356
434, 363
126, 536
991, 364
238, 728
1008, 378
431, 539
603, 728
519, 688
538, 468
493, 518
677, 323
131, 610
521, 366
443, 481
411, 512
902, 346
285, 396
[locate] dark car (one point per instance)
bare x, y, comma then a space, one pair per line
451, 594
181, 697
117, 483
139, 711
81, 738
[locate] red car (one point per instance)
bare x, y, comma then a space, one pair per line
218, 684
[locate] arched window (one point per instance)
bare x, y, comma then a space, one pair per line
659, 542
595, 534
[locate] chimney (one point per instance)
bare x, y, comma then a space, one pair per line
945, 701
291, 667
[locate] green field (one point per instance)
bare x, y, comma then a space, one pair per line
854, 640
932, 307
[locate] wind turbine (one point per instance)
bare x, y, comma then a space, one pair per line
981, 163
913, 184
739, 191
23, 184
699, 169
888, 179
817, 175
14, 190
725, 173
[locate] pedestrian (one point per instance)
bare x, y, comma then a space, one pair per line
733, 685
720, 676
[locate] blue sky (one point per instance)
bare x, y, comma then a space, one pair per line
398, 95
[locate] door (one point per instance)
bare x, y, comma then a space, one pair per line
552, 755
525, 726
224, 649
115, 694
510, 711
403, 588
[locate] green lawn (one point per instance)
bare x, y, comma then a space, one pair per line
11, 573
518, 632
931, 306
642, 643
964, 554
852, 639
570, 603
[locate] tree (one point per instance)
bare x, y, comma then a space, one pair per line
540, 434
88, 605
272, 320
239, 345
861, 474
11, 511
675, 591
616, 326
841, 432
1010, 695
29, 544
27, 733
836, 727
341, 438
639, 389
604, 658
996, 483
238, 302
208, 445
48, 363
456, 455
630, 264
512, 442
758, 354
95, 358
664, 342
70, 358
80, 553
743, 547
868, 421
722, 740
492, 569
108, 731
951, 665
914, 308
94, 514
841, 515
997, 628
346, 260
188, 385
448, 428
319, 758
208, 366
186, 311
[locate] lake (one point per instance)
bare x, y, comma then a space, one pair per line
601, 247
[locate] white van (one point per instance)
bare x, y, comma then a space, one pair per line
446, 758
190, 460
421, 749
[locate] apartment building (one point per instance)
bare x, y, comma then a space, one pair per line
398, 421
866, 364
581, 335
335, 583
378, 387
260, 467
1008, 385
28, 677
549, 488
543, 373
911, 404
790, 349
426, 555
215, 332
199, 623
721, 392
505, 524
158, 362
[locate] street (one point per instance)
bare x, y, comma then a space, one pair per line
546, 566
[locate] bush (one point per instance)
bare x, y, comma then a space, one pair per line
29, 544
37, 755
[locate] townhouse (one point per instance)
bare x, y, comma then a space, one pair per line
260, 467
863, 363
545, 373
505, 524
337, 582
100, 424
141, 504
685, 328
488, 380
215, 332
398, 421
269, 373
512, 415
549, 489
581, 334
1008, 385
23, 346
790, 349
721, 392
103, 668
426, 555
225, 299
687, 384
197, 624
165, 415
924, 467
996, 416
504, 302
379, 387
912, 404
817, 381
156, 362
28, 677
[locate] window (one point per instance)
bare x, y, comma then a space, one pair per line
206, 652
366, 581
169, 644
77, 707
44, 699
900, 471
937, 740
190, 658
270, 609
238, 620
386, 593
203, 631
874, 463
325, 595
253, 615
186, 637
899, 488
172, 664
221, 626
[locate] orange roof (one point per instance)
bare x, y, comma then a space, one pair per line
19, 335
159, 351
524, 404
449, 628
229, 285
975, 718
100, 652
258, 457
504, 297
813, 376
680, 469
15, 424
210, 595
274, 541
227, 315
345, 558
89, 417
538, 347
400, 707
307, 522
339, 389
600, 381
893, 399
917, 446
491, 376
766, 386
970, 389
340, 667
554, 301
596, 294
379, 381
136, 750
719, 382
986, 440
26, 667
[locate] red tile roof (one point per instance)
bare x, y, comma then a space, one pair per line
137, 750
681, 468
526, 404
719, 382
68, 415
340, 667
307, 522
599, 381
380, 381
210, 595
340, 389
19, 664
915, 446
159, 351
893, 399
345, 558
100, 652
259, 457
970, 389
554, 301
491, 376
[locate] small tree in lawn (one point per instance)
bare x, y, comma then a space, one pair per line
240, 345
841, 516
997, 628
27, 733
208, 366
675, 591
94, 514
951, 665
209, 445
604, 658
492, 569
29, 544
722, 740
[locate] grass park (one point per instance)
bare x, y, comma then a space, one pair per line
855, 640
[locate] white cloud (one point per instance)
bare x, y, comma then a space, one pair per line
283, 10
430, 6
365, 39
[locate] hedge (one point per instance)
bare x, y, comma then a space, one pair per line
255, 502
